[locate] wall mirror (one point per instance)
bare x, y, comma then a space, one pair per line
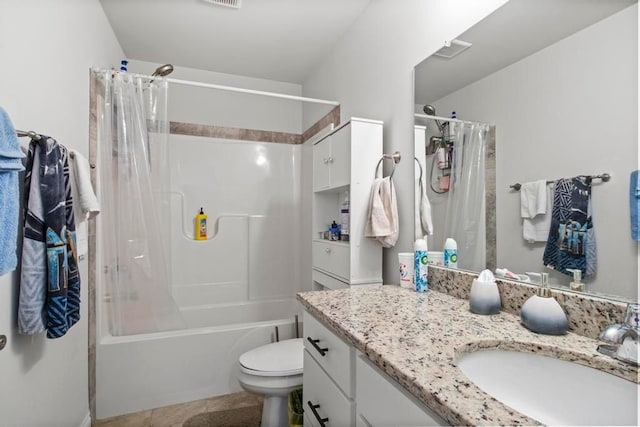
559, 81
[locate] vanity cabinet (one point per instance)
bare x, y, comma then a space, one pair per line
344, 161
341, 387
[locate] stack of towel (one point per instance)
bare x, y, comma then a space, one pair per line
535, 202
382, 218
10, 165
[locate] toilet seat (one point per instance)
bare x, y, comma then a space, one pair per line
279, 359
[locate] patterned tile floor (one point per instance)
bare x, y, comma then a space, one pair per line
176, 415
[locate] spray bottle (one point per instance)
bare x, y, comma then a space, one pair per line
421, 268
450, 253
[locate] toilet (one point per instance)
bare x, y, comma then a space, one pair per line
273, 370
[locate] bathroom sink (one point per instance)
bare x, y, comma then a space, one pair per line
552, 391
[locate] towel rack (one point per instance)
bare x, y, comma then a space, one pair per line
396, 159
604, 177
31, 134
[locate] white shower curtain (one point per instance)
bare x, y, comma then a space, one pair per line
133, 184
465, 217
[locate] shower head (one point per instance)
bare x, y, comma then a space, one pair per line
163, 70
430, 110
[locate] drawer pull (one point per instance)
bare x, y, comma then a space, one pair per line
315, 345
315, 413
327, 250
325, 160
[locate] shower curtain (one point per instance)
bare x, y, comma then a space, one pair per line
133, 184
465, 215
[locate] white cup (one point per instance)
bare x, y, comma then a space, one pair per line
407, 269
436, 258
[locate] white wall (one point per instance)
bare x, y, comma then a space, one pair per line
370, 72
47, 49
567, 110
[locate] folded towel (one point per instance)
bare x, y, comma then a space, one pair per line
10, 165
634, 204
382, 218
571, 243
533, 198
536, 229
422, 212
86, 203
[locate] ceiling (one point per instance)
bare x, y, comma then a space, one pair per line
514, 31
280, 40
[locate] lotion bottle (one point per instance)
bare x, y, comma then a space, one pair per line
542, 314
201, 225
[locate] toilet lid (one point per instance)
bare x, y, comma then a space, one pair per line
276, 359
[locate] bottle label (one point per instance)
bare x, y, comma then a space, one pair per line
451, 258
422, 273
202, 228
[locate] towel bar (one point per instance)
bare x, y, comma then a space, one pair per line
604, 177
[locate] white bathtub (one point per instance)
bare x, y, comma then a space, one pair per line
147, 371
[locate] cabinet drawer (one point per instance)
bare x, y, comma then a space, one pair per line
338, 358
332, 257
381, 401
331, 406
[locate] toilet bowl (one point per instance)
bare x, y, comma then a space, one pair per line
273, 370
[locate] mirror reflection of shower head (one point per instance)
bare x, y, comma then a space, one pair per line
163, 70
430, 110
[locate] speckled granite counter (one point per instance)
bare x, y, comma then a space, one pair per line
416, 338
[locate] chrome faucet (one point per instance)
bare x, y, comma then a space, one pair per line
616, 335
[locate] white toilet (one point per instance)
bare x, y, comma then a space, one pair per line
273, 370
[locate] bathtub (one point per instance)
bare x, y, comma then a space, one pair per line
139, 372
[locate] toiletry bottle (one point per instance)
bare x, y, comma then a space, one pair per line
334, 231
344, 218
420, 256
201, 225
577, 284
484, 297
542, 314
123, 65
450, 253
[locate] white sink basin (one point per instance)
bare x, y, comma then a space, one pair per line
553, 391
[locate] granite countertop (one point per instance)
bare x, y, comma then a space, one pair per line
416, 338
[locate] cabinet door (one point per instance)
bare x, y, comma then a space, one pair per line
321, 156
340, 159
383, 402
323, 401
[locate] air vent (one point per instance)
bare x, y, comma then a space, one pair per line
452, 48
236, 4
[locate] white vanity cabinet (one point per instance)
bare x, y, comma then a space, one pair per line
341, 387
344, 161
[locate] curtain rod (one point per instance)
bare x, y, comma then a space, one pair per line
604, 177
449, 119
251, 91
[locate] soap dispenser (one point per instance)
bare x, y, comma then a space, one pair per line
542, 314
577, 284
484, 298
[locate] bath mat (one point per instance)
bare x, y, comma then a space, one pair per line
239, 417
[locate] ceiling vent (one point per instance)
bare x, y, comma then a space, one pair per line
236, 4
452, 48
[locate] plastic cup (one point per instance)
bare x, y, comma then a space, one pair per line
407, 270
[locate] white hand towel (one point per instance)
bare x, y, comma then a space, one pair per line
533, 198
422, 207
382, 218
536, 229
86, 204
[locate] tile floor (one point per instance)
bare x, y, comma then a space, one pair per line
176, 415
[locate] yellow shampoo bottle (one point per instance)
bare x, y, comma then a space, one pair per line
201, 226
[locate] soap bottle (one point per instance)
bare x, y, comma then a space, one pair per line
542, 314
450, 253
577, 284
201, 225
420, 256
484, 298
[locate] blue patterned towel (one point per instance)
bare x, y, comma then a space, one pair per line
571, 243
10, 165
634, 204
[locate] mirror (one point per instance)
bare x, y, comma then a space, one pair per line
559, 80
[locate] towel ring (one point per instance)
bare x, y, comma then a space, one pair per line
396, 159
